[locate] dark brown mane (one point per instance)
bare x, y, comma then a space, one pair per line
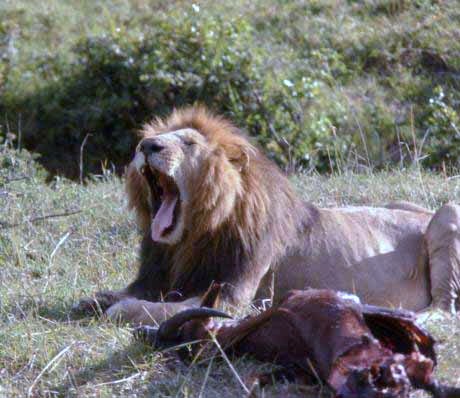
244, 211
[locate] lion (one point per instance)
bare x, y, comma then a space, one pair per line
212, 207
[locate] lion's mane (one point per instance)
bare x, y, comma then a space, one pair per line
243, 214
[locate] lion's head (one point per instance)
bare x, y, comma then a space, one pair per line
171, 163
189, 170
197, 183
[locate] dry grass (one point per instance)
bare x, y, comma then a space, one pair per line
45, 266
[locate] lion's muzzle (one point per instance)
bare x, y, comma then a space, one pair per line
165, 195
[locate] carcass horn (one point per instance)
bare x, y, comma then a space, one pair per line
169, 329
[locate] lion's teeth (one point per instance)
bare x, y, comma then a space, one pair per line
139, 161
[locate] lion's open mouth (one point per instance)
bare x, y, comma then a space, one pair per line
166, 213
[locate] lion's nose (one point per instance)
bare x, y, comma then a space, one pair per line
150, 145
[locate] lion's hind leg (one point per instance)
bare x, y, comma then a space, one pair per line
443, 244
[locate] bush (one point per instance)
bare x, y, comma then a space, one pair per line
442, 123
119, 81
16, 164
319, 95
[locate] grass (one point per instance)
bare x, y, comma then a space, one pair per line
349, 85
46, 265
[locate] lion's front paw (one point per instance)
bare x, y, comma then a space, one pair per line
95, 305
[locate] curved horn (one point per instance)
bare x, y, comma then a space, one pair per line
169, 329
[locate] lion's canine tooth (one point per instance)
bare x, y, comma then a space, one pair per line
139, 161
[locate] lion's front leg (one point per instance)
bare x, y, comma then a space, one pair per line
98, 303
142, 312
443, 243
147, 286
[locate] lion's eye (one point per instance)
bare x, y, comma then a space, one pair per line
189, 143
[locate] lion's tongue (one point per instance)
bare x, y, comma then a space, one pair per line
164, 217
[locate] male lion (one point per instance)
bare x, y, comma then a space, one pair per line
212, 207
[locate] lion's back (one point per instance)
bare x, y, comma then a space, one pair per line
363, 250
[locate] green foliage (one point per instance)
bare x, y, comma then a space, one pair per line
117, 81
17, 165
318, 85
443, 127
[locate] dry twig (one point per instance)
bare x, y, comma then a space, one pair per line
5, 225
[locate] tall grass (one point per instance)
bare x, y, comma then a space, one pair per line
61, 241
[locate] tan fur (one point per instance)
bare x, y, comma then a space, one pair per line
245, 226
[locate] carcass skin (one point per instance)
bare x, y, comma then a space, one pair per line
358, 350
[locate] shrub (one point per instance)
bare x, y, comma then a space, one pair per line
442, 124
118, 81
16, 164
317, 85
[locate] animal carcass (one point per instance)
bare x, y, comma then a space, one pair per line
358, 350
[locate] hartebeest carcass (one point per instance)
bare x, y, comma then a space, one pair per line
357, 350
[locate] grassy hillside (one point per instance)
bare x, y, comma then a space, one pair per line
319, 84
62, 241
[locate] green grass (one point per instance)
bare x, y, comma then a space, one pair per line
47, 265
348, 85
